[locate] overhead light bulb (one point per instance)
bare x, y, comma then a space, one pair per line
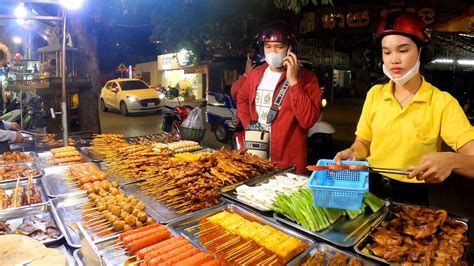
20, 11
71, 4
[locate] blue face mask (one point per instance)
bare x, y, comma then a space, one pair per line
275, 60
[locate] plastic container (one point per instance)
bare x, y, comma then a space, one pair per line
194, 134
340, 189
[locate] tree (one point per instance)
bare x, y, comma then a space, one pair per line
297, 5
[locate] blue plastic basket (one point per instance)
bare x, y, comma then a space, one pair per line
342, 189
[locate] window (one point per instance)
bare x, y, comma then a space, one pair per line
133, 85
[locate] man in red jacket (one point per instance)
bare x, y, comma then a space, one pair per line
301, 104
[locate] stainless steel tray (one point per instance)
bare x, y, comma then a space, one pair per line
160, 212
232, 194
256, 179
78, 257
55, 182
68, 212
31, 165
86, 152
15, 218
362, 246
344, 232
329, 252
31, 153
179, 226
8, 187
44, 156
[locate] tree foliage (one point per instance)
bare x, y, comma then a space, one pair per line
297, 5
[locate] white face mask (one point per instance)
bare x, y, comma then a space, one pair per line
275, 60
405, 78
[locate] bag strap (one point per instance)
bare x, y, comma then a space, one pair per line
276, 106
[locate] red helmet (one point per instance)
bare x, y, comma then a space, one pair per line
403, 23
277, 31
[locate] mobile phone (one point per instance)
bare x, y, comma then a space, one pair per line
289, 50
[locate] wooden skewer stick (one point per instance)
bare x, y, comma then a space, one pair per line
227, 244
189, 229
90, 209
253, 258
236, 251
95, 219
215, 239
113, 246
136, 262
101, 221
206, 231
244, 258
273, 262
99, 227
267, 260
104, 230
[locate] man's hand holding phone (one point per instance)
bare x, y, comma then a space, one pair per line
292, 67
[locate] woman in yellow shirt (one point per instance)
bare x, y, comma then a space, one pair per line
405, 120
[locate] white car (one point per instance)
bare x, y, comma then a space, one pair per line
129, 96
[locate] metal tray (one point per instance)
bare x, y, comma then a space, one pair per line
55, 182
86, 152
68, 213
78, 257
31, 165
362, 249
329, 252
15, 218
160, 212
232, 194
8, 187
257, 179
31, 153
179, 226
344, 232
44, 156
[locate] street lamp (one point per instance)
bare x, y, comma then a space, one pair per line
71, 4
16, 40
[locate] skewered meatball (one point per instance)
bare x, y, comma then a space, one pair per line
128, 208
139, 224
131, 220
115, 184
101, 207
142, 216
135, 212
114, 191
112, 218
127, 227
92, 196
118, 225
115, 210
123, 214
150, 220
141, 206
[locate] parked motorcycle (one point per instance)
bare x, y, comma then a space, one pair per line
173, 119
34, 114
221, 114
320, 141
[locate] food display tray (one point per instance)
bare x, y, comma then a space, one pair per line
78, 257
160, 212
86, 152
44, 156
15, 219
8, 187
68, 212
56, 183
362, 246
30, 153
344, 232
329, 252
180, 226
31, 166
111, 177
232, 194
257, 179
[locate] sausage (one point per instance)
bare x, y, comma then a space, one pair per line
138, 244
195, 260
140, 235
212, 263
164, 256
142, 252
165, 249
145, 228
172, 258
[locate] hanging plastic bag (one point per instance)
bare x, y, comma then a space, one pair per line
194, 120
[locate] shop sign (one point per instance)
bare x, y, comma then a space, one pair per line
168, 61
357, 19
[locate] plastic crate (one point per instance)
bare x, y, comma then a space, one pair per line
341, 189
194, 134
